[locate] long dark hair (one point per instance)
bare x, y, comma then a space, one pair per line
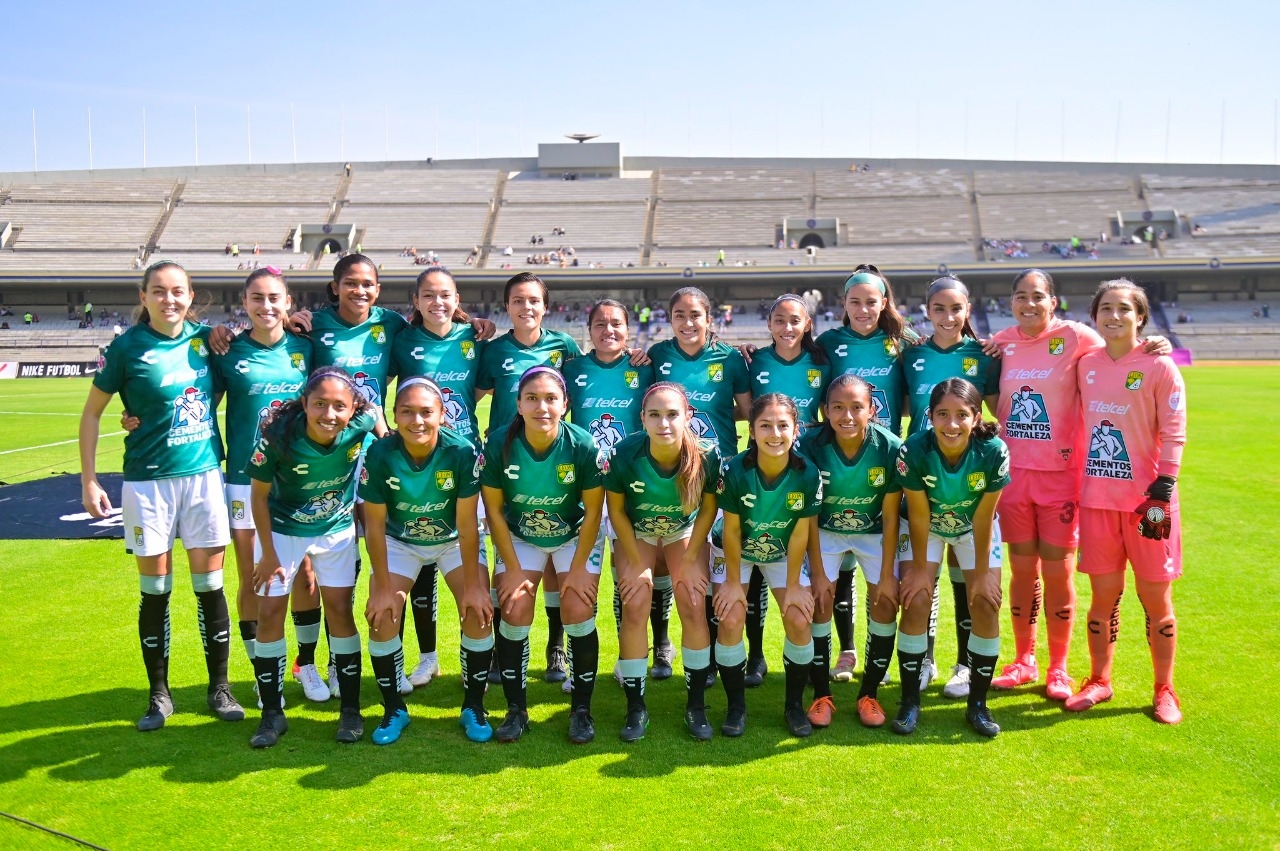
278, 427
141, 314
807, 343
459, 315
950, 282
889, 321
702, 299
966, 392
345, 265
517, 422
794, 460
691, 476
1139, 299
1034, 273
840, 381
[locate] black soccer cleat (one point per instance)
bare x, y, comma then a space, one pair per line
272, 726
908, 718
224, 704
637, 724
695, 718
582, 727
158, 710
513, 726
735, 721
798, 721
350, 726
979, 718
756, 670
663, 657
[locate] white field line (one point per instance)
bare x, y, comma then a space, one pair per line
51, 445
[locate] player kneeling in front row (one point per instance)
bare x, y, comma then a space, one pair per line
420, 488
304, 482
953, 474
769, 495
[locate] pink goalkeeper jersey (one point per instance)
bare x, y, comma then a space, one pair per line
1039, 408
1135, 421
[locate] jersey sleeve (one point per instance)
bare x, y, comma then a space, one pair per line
371, 487
615, 479
110, 379
363, 422
491, 461
999, 466
728, 497
592, 463
908, 473
741, 375
484, 370
712, 462
469, 466
812, 490
991, 382
263, 462
216, 368
571, 348
1171, 418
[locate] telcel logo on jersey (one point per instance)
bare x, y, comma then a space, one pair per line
445, 480
275, 388
1028, 418
1027, 374
1108, 456
356, 361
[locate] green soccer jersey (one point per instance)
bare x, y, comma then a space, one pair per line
451, 361
313, 487
363, 350
168, 385
421, 498
542, 491
256, 379
853, 489
874, 359
803, 379
604, 398
954, 491
711, 378
653, 497
505, 359
926, 365
768, 512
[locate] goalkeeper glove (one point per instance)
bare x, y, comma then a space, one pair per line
1155, 517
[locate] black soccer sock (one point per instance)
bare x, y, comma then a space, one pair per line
911, 650
733, 675
215, 626
879, 653
268, 667
387, 658
153, 634
964, 621
842, 615
617, 607
306, 625
513, 659
349, 666
249, 637
757, 610
713, 623
584, 649
796, 663
633, 681
660, 610
983, 653
476, 655
425, 597
819, 673
555, 626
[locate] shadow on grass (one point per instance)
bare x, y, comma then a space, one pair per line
91, 737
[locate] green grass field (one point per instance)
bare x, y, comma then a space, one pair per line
72, 686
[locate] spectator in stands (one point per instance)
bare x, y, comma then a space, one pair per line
347, 169
720, 257
1266, 311
235, 249
4, 311
227, 250
507, 252
27, 317
258, 250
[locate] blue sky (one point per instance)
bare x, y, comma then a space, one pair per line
377, 80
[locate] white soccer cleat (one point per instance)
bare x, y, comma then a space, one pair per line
334, 691
958, 686
312, 686
928, 673
427, 670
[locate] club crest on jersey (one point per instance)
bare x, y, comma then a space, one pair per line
902, 466
368, 387
258, 458
197, 346
378, 333
445, 480
1108, 456
565, 474
1133, 380
1057, 346
557, 358
298, 361
237, 509
814, 377
875, 477
970, 366
137, 536
715, 371
353, 453
632, 379
977, 481
795, 501
1028, 418
658, 527
890, 349
468, 349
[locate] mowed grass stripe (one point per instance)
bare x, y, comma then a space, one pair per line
1111, 778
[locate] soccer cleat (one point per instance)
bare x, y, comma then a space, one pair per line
756, 670
475, 723
637, 724
404, 686
821, 710
159, 709
908, 718
845, 663
870, 712
1019, 673
224, 704
427, 669
495, 673
797, 721
958, 686
393, 724
695, 719
582, 727
272, 726
566, 687
735, 721
351, 726
557, 664
333, 683
514, 725
1091, 693
979, 718
313, 687
1168, 708
1057, 685
711, 677
929, 673
664, 656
